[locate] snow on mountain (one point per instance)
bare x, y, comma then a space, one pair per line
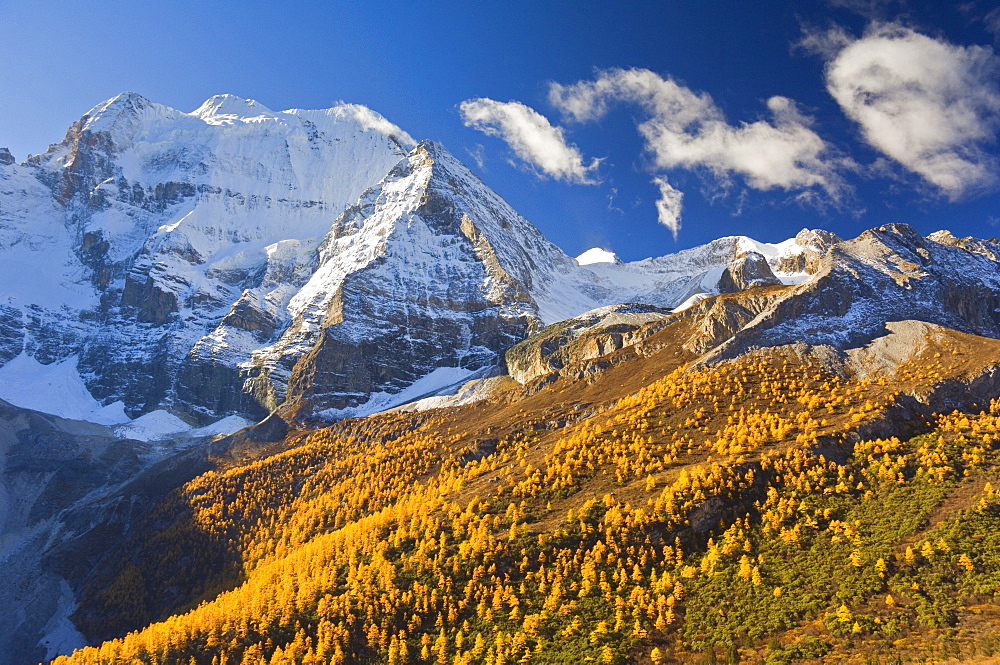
233, 177
430, 269
439, 381
690, 302
680, 279
39, 266
56, 388
160, 424
149, 223
887, 274
865, 306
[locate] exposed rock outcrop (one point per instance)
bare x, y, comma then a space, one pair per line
814, 244
890, 273
591, 335
749, 270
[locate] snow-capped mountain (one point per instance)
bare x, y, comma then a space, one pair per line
861, 307
233, 260
220, 262
861, 286
132, 238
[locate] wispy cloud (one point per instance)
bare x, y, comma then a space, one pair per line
931, 106
371, 120
686, 129
478, 154
668, 207
612, 196
532, 138
871, 9
992, 22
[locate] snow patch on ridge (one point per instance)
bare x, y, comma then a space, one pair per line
433, 384
225, 426
222, 109
160, 424
153, 425
59, 390
691, 302
791, 278
56, 388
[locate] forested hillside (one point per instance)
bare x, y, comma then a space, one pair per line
761, 510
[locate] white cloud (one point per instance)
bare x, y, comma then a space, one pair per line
685, 129
668, 207
371, 120
931, 106
531, 136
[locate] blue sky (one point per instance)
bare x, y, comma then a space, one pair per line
640, 127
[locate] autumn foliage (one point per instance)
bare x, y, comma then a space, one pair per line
619, 535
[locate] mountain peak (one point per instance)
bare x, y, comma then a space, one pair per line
227, 106
816, 238
432, 152
432, 148
108, 113
123, 101
896, 230
597, 255
122, 117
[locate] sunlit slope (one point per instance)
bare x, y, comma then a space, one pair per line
655, 512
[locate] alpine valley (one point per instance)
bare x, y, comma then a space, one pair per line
291, 387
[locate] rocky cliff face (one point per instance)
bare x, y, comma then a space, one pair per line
594, 334
749, 270
886, 274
